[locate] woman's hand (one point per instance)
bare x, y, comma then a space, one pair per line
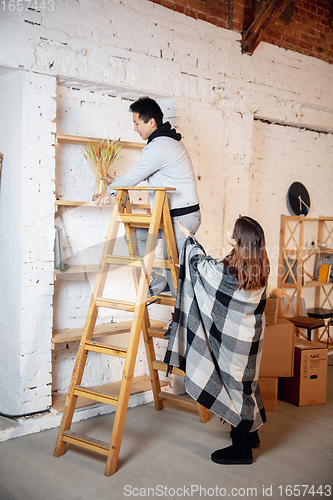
183, 230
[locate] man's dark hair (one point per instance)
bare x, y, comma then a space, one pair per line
147, 108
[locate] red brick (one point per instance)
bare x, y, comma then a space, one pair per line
238, 8
238, 25
276, 36
197, 5
295, 33
305, 45
321, 13
168, 4
313, 9
191, 12
179, 8
203, 16
238, 17
221, 23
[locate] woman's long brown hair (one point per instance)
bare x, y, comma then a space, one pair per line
248, 261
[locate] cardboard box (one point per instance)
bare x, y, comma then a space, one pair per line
308, 385
269, 392
271, 311
278, 350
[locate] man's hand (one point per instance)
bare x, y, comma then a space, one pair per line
108, 179
101, 198
183, 230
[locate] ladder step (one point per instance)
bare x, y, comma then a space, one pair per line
95, 395
73, 334
114, 304
139, 385
106, 349
163, 367
135, 261
183, 400
157, 333
88, 443
165, 300
135, 218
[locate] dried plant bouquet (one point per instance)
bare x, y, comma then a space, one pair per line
100, 156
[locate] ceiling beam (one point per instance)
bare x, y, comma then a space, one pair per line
264, 20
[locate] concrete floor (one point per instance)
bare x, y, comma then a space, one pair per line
166, 454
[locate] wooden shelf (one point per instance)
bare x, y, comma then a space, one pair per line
72, 334
83, 269
293, 252
317, 283
73, 203
308, 284
139, 385
76, 139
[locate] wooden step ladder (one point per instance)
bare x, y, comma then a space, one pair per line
142, 267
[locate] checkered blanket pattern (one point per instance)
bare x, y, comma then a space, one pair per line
216, 337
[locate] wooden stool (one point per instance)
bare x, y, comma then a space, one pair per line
308, 323
322, 313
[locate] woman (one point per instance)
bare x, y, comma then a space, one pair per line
216, 334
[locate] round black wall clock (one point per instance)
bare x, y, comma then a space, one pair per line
298, 199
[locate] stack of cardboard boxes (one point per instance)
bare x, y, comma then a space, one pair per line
277, 355
293, 368
308, 385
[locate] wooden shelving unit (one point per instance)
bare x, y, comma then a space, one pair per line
63, 337
297, 262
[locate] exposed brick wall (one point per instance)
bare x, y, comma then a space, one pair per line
212, 11
305, 26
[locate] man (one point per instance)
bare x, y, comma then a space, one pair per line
164, 162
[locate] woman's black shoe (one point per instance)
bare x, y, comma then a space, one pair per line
240, 452
233, 456
253, 438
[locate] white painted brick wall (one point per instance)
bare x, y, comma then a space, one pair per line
140, 47
32, 305
293, 155
37, 245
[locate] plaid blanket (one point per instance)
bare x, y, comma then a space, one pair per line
216, 337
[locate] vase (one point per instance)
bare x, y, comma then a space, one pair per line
100, 186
